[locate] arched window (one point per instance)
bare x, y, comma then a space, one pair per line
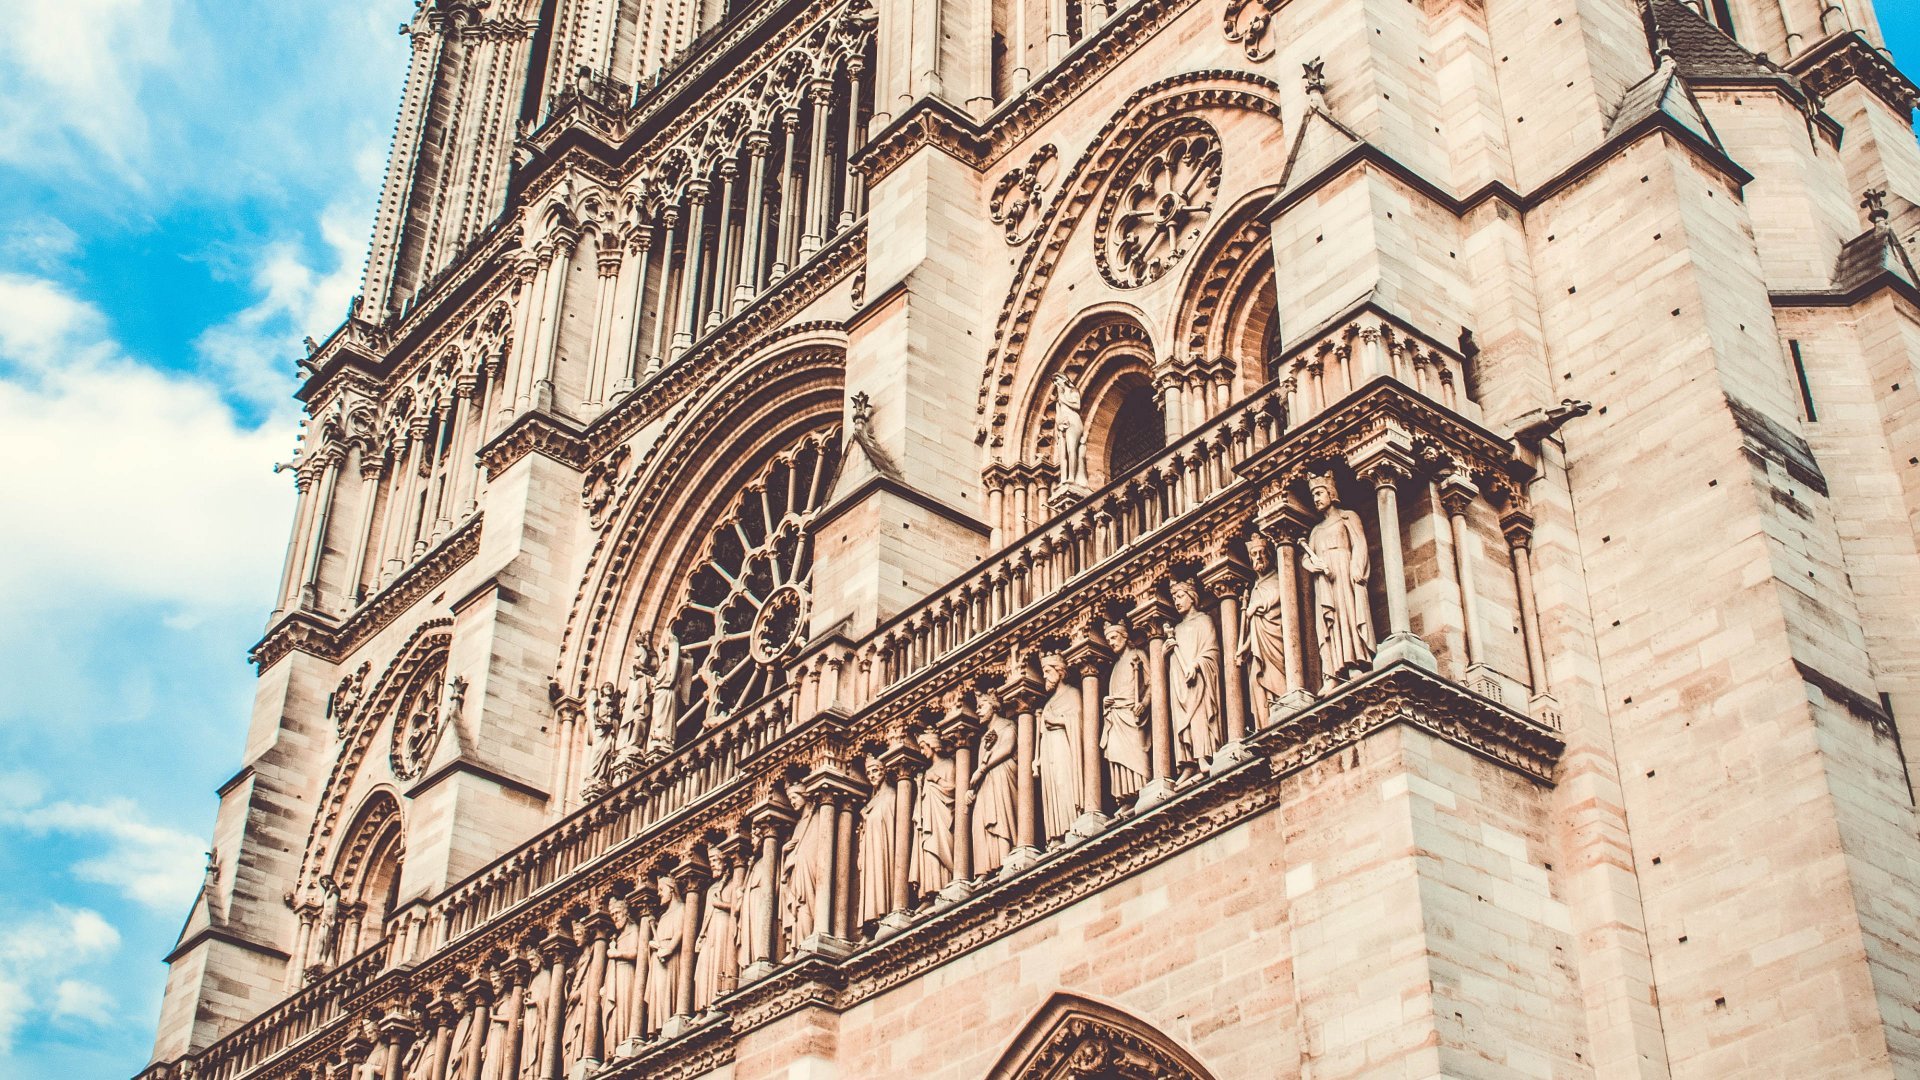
365, 884
1072, 1038
1138, 431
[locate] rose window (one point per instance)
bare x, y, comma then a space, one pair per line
416, 723
1154, 212
748, 599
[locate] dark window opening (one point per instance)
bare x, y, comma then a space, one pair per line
1723, 15
1138, 432
1807, 412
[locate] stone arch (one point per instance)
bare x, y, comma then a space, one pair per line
1229, 313
367, 870
1108, 353
1143, 113
426, 649
729, 428
1074, 1038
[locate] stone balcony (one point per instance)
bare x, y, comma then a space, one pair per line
809, 775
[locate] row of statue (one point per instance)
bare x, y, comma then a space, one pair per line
638, 722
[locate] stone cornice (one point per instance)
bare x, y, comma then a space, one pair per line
535, 433
303, 632
1848, 57
927, 122
225, 936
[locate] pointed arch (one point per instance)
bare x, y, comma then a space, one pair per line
1228, 315
1075, 1038
1108, 353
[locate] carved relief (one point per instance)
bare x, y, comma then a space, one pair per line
602, 480
1159, 203
345, 699
421, 716
1076, 1039
1020, 196
1246, 23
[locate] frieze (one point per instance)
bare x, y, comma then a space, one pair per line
1848, 57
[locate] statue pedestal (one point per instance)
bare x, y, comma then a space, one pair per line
583, 1069
1019, 861
1405, 646
955, 892
890, 924
1229, 757
1293, 701
756, 971
1067, 496
675, 1027
630, 1047
1089, 824
1153, 793
826, 945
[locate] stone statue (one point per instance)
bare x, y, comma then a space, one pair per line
1124, 740
1069, 433
1193, 675
755, 897
663, 955
806, 871
1336, 557
1263, 634
932, 857
638, 700
605, 709
1056, 760
716, 957
663, 711
877, 847
619, 987
326, 930
533, 1043
573, 1024
464, 1045
993, 785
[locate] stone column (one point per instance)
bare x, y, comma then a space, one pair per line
1228, 582
1087, 658
558, 949
481, 993
691, 878
444, 1015
850, 200
717, 301
397, 1032
545, 352
688, 321
1026, 803
297, 540
820, 94
1518, 527
1152, 616
758, 143
639, 248
593, 1046
510, 993
1456, 495
607, 263
1289, 529
1385, 474
846, 909
783, 255
961, 732
317, 542
770, 821
663, 312
371, 467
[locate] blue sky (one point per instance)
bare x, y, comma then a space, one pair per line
186, 190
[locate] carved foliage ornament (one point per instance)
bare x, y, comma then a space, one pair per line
1247, 22
1159, 203
1076, 1039
345, 699
1020, 196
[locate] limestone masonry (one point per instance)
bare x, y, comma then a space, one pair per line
1005, 539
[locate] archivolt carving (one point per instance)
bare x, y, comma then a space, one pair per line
1157, 207
641, 558
1145, 110
1072, 1038
426, 649
1231, 271
1021, 194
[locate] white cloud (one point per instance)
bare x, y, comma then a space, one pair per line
73, 72
39, 954
122, 479
253, 351
152, 865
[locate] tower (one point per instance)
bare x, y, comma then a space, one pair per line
986, 538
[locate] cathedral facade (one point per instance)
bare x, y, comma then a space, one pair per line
1099, 539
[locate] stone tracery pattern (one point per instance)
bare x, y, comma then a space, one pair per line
1158, 204
1020, 196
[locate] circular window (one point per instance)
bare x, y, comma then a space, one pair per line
1161, 200
748, 600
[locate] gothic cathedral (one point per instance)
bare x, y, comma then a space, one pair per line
1018, 539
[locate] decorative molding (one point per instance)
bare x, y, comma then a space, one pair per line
1849, 57
1020, 198
535, 433
1156, 202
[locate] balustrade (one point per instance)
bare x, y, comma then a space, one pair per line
1113, 659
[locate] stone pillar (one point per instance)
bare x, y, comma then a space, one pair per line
1290, 529
480, 992
510, 993
639, 248
593, 1048
1456, 495
371, 467
850, 199
770, 822
317, 542
663, 312
1228, 582
557, 950
1517, 525
1152, 617
723, 255
961, 731
296, 541
758, 143
820, 94
444, 1015
846, 909
783, 255
1386, 473
691, 878
1088, 658
607, 263
397, 1032
559, 257
688, 321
